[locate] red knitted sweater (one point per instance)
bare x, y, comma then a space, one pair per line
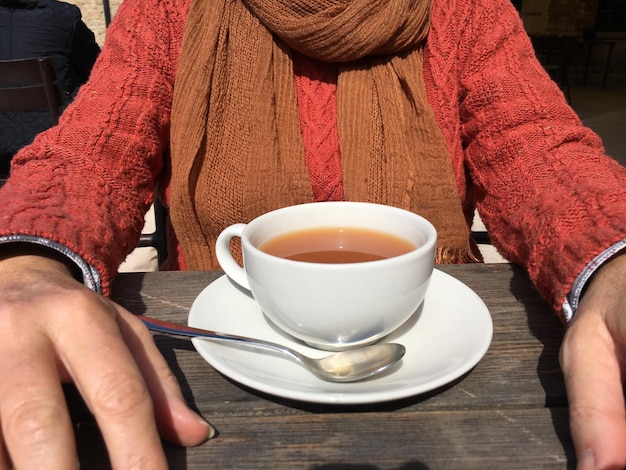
548, 196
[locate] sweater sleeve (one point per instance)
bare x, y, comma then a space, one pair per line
87, 183
548, 196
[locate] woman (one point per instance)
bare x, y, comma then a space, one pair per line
435, 108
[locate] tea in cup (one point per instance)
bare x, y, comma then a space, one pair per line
335, 275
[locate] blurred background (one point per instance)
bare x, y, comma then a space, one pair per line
593, 20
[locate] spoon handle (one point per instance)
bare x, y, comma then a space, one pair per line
191, 332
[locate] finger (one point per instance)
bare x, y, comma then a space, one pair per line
108, 378
592, 372
175, 420
36, 426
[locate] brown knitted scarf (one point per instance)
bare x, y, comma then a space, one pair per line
236, 145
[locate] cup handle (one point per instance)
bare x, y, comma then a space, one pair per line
225, 256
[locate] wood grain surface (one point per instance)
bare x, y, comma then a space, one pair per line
509, 412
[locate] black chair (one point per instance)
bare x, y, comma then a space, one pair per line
29, 85
554, 54
480, 237
158, 238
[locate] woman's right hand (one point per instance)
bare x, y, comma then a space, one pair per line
53, 329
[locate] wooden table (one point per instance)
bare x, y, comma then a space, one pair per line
509, 412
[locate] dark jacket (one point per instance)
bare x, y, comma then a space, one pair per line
36, 28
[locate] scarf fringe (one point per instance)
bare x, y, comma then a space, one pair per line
448, 255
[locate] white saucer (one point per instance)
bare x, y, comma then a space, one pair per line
444, 339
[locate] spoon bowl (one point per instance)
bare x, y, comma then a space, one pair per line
345, 366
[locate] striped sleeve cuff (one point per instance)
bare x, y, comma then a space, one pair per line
91, 277
570, 304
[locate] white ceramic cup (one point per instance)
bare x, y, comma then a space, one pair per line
333, 306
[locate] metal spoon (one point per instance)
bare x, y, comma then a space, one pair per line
345, 366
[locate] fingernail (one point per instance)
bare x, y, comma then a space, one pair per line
586, 460
212, 430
